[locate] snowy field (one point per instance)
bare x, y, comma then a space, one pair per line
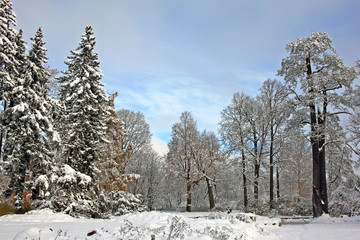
47, 225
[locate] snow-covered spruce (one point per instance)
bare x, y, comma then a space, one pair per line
75, 194
84, 108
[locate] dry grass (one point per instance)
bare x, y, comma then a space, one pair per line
6, 208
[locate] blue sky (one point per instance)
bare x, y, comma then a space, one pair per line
169, 56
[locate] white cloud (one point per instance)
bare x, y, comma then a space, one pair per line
159, 146
165, 57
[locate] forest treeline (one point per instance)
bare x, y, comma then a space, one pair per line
289, 150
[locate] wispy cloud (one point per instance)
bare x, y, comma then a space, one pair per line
165, 57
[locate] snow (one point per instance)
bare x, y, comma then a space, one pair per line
43, 181
44, 224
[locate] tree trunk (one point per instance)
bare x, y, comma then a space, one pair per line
210, 193
256, 181
244, 181
256, 171
188, 195
277, 184
316, 196
188, 186
322, 169
271, 161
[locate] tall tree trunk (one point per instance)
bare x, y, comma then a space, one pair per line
271, 161
256, 172
256, 181
244, 181
188, 186
188, 195
316, 196
210, 193
322, 162
277, 184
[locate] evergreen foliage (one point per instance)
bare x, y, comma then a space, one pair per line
84, 107
27, 152
8, 61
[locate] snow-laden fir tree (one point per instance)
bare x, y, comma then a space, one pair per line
15, 179
89, 130
29, 125
85, 107
7, 60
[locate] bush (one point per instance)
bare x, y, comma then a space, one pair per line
6, 208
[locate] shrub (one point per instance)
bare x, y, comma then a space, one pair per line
6, 208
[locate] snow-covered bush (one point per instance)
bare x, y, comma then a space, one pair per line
120, 202
74, 193
346, 198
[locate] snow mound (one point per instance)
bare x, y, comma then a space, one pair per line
143, 225
36, 233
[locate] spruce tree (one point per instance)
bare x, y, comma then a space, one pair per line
85, 107
38, 72
7, 61
27, 153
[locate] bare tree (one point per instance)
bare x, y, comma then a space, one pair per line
234, 132
138, 135
273, 97
208, 161
182, 152
144, 161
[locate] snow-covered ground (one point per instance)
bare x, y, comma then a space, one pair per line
45, 224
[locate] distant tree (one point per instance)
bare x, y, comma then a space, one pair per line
54, 86
144, 161
295, 167
255, 119
193, 156
112, 165
234, 134
138, 136
208, 161
273, 97
85, 106
149, 167
317, 76
182, 152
